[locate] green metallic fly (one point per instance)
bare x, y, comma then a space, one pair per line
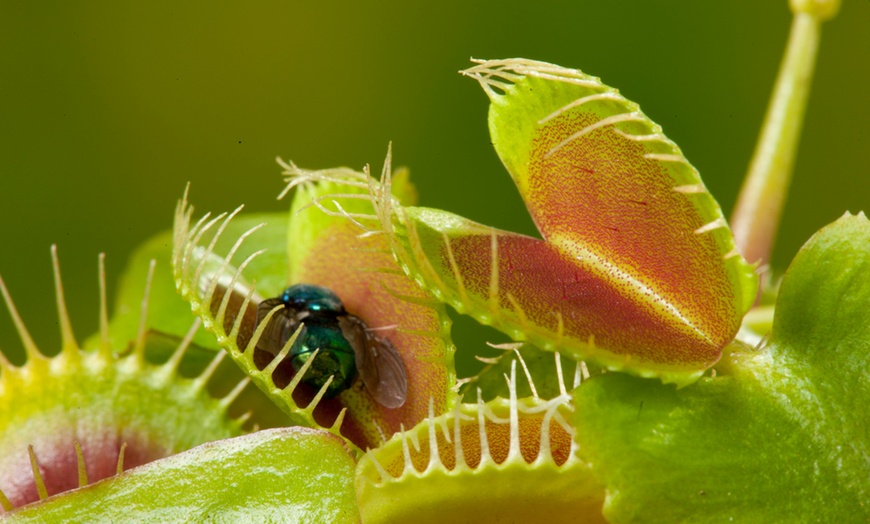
347, 345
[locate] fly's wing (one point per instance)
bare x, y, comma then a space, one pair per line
276, 332
378, 362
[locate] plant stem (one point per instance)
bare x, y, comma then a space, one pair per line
759, 207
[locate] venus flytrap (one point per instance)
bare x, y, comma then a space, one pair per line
627, 223
636, 390
518, 452
331, 253
84, 415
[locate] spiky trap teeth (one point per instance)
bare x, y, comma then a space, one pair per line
219, 295
390, 325
84, 415
517, 453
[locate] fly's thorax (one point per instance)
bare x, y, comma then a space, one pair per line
335, 357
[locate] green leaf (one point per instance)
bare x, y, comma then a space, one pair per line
821, 335
779, 435
824, 297
279, 475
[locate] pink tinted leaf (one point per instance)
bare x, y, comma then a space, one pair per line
637, 269
536, 292
333, 247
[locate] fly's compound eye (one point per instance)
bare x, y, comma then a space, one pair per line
312, 299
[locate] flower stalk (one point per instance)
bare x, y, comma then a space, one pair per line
759, 207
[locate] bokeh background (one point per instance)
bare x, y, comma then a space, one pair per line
107, 110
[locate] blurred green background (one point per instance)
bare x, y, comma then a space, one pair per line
107, 110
